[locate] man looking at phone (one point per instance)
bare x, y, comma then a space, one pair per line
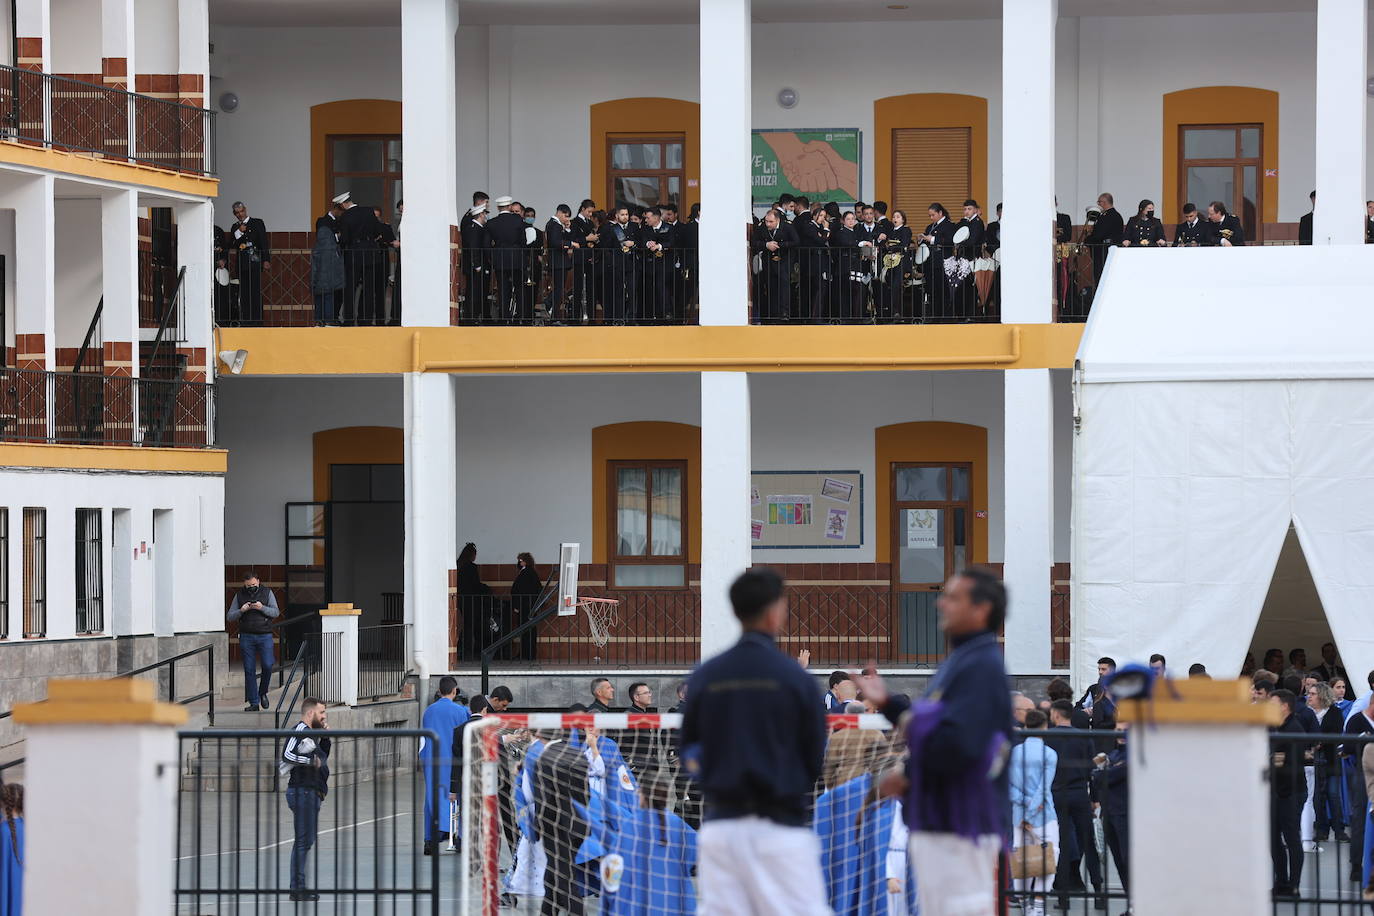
254, 608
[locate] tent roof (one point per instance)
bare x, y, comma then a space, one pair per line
1257, 312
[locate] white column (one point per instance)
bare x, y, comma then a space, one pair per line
428, 28
1215, 768
725, 468
117, 35
193, 41
35, 285
726, 174
119, 268
1027, 159
128, 813
500, 60
342, 672
1028, 516
196, 252
431, 547
1342, 41
32, 19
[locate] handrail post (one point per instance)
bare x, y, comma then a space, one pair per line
171, 682
210, 664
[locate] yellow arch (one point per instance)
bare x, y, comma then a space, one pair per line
354, 445
644, 440
349, 116
645, 117
1221, 105
930, 109
930, 441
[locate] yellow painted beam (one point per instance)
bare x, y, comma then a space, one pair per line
114, 458
753, 348
86, 165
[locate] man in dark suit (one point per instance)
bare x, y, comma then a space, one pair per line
1063, 223
507, 233
810, 264
248, 236
359, 232
584, 238
618, 241
939, 237
1192, 232
1227, 231
559, 782
532, 267
656, 266
558, 241
773, 242
968, 250
1106, 232
476, 265
1305, 224
676, 300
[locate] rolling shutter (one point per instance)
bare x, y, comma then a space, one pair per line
930, 164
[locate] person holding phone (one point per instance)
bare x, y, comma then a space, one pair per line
254, 609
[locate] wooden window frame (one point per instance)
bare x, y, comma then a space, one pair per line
613, 555
662, 174
1238, 163
947, 504
388, 178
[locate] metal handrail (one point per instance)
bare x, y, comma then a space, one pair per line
165, 318
290, 703
543, 610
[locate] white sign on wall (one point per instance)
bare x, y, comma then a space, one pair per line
922, 529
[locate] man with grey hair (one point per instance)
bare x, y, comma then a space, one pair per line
251, 253
603, 693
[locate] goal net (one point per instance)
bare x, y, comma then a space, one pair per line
596, 812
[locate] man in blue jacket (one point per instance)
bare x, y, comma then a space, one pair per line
443, 717
753, 737
955, 786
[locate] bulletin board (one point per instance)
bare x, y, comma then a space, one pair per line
820, 510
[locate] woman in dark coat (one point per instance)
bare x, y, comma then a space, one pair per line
474, 603
524, 598
848, 269
326, 274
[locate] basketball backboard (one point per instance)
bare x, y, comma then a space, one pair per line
567, 579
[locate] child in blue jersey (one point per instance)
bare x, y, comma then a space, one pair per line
651, 858
11, 849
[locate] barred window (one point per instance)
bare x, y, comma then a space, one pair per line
90, 607
35, 572
4, 573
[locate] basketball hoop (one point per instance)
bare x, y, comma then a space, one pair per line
600, 617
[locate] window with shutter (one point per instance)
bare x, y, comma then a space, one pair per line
931, 164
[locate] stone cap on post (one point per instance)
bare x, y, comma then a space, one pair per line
340, 609
118, 701
1198, 701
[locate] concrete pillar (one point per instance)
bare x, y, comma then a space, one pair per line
35, 286
725, 469
119, 316
428, 30
193, 51
128, 813
1027, 160
341, 672
1342, 42
196, 252
726, 175
1201, 747
33, 30
431, 547
117, 43
1028, 460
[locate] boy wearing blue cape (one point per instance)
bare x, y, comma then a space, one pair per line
11, 849
442, 717
651, 857
857, 829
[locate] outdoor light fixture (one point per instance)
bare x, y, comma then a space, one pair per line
787, 97
229, 101
234, 359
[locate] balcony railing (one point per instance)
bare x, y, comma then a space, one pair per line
66, 114
90, 409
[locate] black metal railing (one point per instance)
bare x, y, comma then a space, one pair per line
631, 286
383, 660
298, 287
247, 840
93, 409
67, 114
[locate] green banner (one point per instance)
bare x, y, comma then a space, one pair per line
823, 165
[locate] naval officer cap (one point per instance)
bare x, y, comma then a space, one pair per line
476, 210
504, 201
343, 198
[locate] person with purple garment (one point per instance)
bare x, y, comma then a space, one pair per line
954, 789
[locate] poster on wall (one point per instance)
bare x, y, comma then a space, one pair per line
806, 509
821, 164
922, 529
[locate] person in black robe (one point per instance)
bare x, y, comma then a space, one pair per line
359, 231
773, 245
813, 230
847, 277
560, 250
1063, 224
964, 288
894, 264
532, 270
618, 240
475, 605
1193, 231
655, 266
1227, 232
1104, 233
524, 597
507, 233
380, 278
690, 243
1305, 223
992, 243
1143, 230
248, 237
476, 245
582, 243
939, 239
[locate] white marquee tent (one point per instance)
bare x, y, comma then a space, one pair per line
1222, 395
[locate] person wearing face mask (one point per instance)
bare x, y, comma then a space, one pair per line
1143, 230
534, 262
1191, 232
254, 608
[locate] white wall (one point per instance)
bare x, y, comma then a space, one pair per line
78, 279
198, 578
75, 36
7, 247
267, 425
278, 74
155, 36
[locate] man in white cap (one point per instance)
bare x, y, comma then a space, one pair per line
476, 264
507, 233
359, 230
331, 217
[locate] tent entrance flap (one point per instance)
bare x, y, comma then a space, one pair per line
1292, 616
